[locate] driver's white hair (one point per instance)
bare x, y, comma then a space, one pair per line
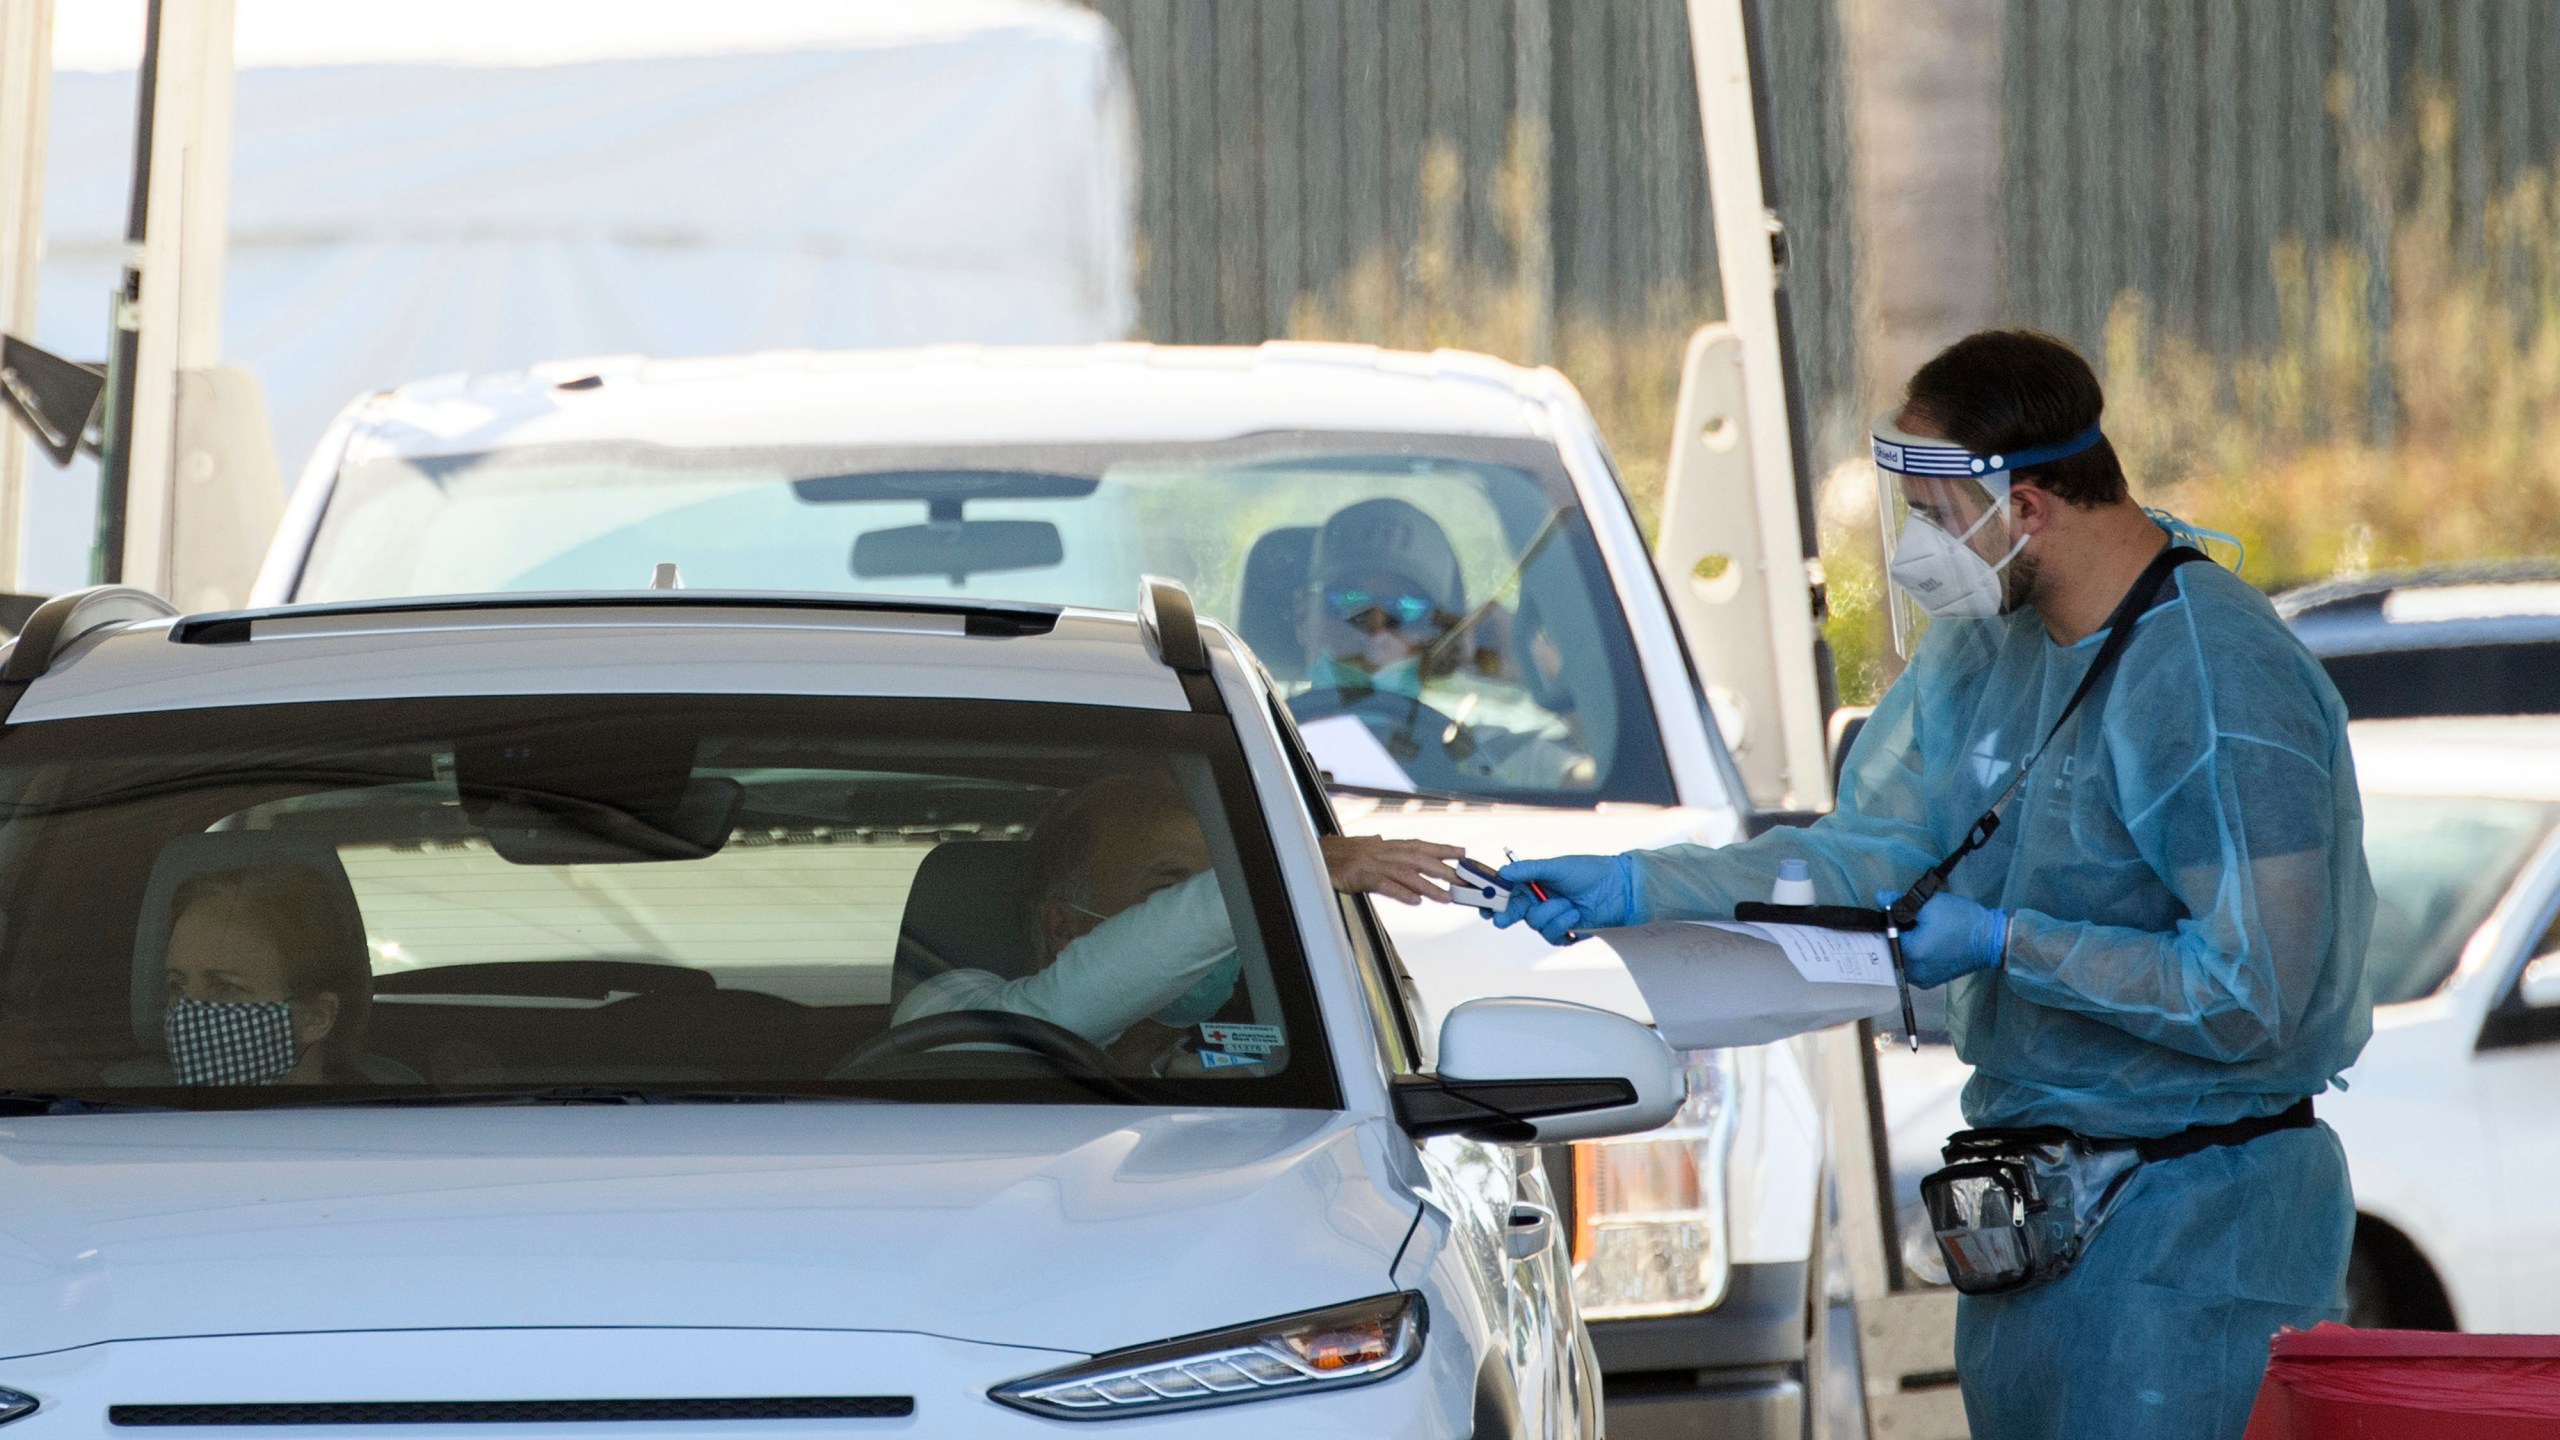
1060, 864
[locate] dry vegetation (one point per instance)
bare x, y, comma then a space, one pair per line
1629, 374
2285, 449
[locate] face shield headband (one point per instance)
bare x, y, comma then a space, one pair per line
1904, 453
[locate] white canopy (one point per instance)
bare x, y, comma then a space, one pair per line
970, 179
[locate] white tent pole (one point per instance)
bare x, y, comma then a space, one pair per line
26, 91
180, 319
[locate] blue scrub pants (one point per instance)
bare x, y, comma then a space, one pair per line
2161, 1329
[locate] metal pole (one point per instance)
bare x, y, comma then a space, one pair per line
1533, 149
26, 84
1749, 251
115, 477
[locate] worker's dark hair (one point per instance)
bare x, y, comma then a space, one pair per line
2002, 390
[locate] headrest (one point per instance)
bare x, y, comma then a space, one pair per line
1275, 571
963, 914
189, 856
1528, 624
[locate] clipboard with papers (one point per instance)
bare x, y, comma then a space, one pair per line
1713, 983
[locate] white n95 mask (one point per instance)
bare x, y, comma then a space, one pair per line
1944, 575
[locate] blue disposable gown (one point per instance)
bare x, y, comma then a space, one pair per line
2184, 874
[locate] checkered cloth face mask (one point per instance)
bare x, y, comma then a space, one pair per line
237, 1043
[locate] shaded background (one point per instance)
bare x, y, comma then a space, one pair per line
2310, 243
2313, 245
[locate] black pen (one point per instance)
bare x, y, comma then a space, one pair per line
1901, 979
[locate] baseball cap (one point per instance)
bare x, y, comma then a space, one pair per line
1391, 535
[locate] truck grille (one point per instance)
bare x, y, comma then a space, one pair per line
519, 1412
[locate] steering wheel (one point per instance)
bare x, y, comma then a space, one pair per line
1411, 731
1080, 1059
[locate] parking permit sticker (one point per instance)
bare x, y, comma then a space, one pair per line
1220, 1059
1254, 1040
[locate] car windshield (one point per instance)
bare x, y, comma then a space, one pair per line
645, 898
2440, 864
1434, 607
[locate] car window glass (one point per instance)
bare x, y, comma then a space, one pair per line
1433, 608
742, 894
2440, 864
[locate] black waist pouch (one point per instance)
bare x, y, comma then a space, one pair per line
2015, 1208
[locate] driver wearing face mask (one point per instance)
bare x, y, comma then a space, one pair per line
1385, 627
1121, 905
1384, 590
269, 983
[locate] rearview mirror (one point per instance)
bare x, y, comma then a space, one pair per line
957, 549
593, 792
1519, 1071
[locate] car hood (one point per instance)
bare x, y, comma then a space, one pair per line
1076, 1228
1454, 955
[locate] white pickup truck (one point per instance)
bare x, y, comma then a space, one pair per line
1547, 704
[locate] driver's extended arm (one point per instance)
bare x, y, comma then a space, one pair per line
1124, 969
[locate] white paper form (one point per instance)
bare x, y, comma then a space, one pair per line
1821, 956
1344, 746
1710, 984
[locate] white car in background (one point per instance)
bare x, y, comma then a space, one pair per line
2451, 1134
583, 918
1563, 715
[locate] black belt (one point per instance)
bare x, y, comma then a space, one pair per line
2237, 1132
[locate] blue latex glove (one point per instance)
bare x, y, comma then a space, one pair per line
1584, 892
1953, 936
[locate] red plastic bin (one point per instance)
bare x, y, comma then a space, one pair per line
2335, 1383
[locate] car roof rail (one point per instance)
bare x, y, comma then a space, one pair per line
58, 622
991, 618
1172, 630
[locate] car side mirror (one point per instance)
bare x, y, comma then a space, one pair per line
2539, 987
1520, 1071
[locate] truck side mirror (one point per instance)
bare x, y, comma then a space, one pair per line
1520, 1071
2539, 987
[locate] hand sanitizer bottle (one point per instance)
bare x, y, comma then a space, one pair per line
1795, 884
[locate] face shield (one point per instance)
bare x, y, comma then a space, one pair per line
1947, 532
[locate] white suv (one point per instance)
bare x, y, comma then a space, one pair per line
1554, 709
499, 1011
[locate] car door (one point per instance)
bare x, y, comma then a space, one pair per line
1502, 1217
2517, 1073
1501, 1211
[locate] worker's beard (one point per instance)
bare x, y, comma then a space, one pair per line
2018, 582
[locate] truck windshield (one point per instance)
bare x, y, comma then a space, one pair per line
644, 898
1434, 607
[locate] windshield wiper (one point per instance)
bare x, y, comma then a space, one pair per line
51, 1102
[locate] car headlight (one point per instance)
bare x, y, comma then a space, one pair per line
1354, 1344
1648, 1210
15, 1405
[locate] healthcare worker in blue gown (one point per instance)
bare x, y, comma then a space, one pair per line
2166, 933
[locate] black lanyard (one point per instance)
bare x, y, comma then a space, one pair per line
1903, 913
